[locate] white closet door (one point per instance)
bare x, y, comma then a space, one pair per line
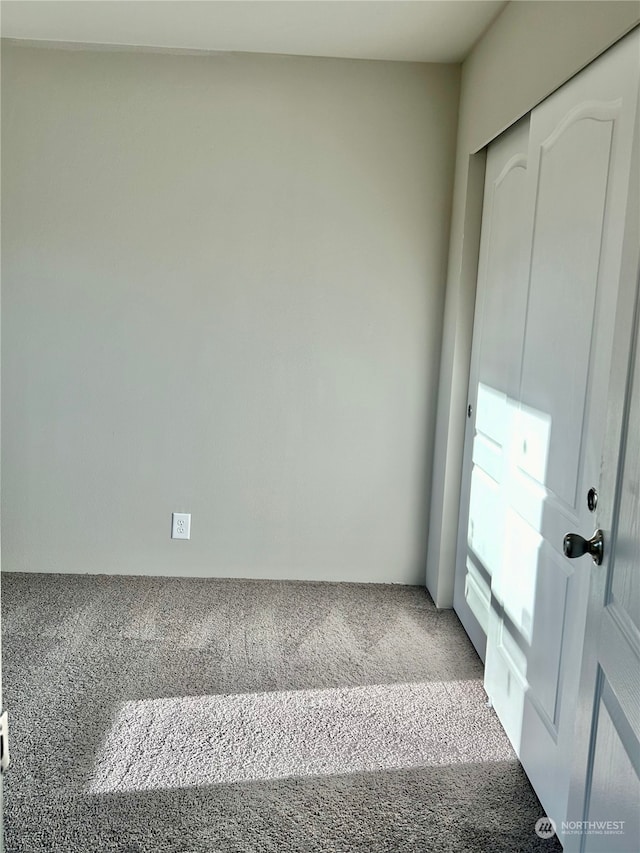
494, 378
579, 161
605, 781
610, 787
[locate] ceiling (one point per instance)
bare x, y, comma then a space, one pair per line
418, 31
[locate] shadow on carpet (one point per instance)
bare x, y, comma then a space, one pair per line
156, 715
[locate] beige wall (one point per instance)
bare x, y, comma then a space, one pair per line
530, 50
223, 285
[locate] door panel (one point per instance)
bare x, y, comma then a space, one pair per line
500, 341
545, 658
616, 789
484, 508
573, 178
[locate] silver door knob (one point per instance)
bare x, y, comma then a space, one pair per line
575, 545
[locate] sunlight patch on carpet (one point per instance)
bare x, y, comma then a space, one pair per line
206, 740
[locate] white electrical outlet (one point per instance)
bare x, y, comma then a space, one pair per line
181, 525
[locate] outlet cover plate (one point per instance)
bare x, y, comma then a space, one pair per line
181, 525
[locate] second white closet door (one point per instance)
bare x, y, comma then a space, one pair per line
494, 380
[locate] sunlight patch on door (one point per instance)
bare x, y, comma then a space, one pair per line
208, 740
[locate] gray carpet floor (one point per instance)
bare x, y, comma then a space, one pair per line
155, 715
